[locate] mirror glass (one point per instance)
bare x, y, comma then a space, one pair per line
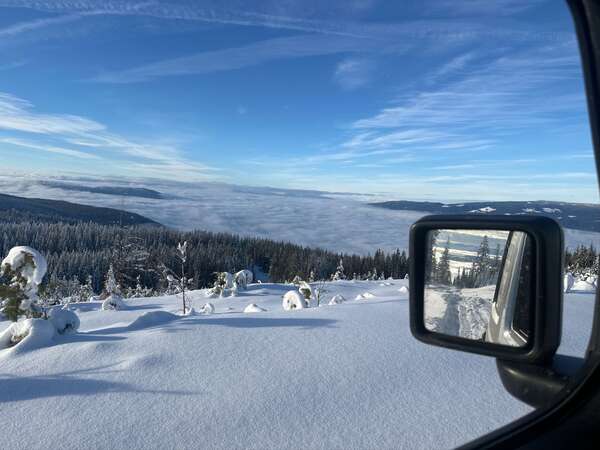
479, 285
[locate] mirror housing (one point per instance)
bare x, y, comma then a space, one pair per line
546, 294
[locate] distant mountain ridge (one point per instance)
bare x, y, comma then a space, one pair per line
578, 216
125, 191
13, 208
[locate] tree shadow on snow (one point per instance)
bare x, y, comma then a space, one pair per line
16, 388
131, 307
262, 322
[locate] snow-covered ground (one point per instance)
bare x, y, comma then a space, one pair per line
336, 222
458, 312
341, 376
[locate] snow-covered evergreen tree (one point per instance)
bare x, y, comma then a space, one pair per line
111, 287
21, 272
339, 271
443, 275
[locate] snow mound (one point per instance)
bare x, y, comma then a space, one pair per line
584, 286
337, 299
26, 335
293, 300
17, 258
113, 303
64, 320
208, 308
253, 308
403, 290
209, 293
152, 319
364, 296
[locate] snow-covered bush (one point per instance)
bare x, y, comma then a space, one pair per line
320, 290
113, 303
208, 308
253, 308
305, 290
223, 286
337, 299
22, 271
85, 291
27, 335
243, 278
293, 300
64, 320
403, 290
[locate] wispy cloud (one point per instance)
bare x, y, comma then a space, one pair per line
48, 148
486, 103
353, 73
18, 116
227, 13
36, 24
483, 7
244, 56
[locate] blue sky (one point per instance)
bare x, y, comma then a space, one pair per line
449, 100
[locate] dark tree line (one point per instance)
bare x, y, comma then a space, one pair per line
82, 253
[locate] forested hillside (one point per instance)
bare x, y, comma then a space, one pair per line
87, 249
14, 208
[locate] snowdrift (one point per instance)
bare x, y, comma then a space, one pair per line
26, 335
253, 308
337, 299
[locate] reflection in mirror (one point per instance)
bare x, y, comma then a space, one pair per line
478, 285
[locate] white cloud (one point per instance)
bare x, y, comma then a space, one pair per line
483, 7
16, 114
353, 73
48, 148
162, 160
240, 57
36, 24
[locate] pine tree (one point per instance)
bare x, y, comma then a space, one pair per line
86, 291
339, 271
12, 293
111, 287
443, 275
481, 265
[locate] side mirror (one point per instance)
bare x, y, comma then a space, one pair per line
490, 285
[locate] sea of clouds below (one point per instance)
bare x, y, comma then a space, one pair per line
311, 218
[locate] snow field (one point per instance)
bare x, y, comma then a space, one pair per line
344, 376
